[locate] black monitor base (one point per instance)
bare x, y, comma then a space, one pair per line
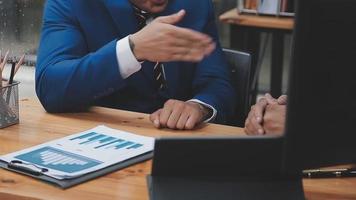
174, 188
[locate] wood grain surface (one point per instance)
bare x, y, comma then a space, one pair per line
36, 126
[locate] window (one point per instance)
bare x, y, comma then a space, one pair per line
20, 24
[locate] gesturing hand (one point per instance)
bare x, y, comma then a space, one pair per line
178, 115
161, 41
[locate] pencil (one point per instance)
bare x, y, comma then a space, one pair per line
19, 64
2, 66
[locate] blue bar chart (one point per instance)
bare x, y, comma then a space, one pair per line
102, 141
52, 158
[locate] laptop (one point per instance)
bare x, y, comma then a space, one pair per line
220, 168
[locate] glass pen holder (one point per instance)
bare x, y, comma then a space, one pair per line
9, 104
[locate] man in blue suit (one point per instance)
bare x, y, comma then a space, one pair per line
153, 56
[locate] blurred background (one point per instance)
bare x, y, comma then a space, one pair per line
20, 25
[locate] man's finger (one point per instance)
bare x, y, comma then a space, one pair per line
248, 126
186, 52
210, 49
252, 127
172, 19
182, 120
187, 43
175, 115
166, 112
192, 121
256, 126
259, 109
202, 50
270, 99
282, 100
191, 35
192, 56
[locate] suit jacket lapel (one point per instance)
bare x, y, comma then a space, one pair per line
122, 13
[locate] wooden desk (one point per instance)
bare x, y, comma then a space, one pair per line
245, 36
37, 127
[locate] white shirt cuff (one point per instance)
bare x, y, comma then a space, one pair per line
128, 63
212, 117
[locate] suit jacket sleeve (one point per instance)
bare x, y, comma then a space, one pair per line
68, 77
212, 81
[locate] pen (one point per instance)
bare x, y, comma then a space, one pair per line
15, 67
12, 74
329, 173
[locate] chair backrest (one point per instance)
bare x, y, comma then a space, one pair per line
240, 66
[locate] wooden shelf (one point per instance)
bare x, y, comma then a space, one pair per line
233, 17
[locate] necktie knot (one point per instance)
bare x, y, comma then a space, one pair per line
142, 16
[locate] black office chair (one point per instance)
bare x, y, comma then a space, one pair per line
240, 66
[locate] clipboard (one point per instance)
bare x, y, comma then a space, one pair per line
67, 183
74, 159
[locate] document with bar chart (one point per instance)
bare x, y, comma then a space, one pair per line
82, 153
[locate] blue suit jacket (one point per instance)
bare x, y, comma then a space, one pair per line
77, 63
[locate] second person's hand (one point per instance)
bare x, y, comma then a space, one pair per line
267, 116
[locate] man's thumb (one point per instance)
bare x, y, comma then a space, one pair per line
154, 117
172, 19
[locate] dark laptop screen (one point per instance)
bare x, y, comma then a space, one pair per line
321, 124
